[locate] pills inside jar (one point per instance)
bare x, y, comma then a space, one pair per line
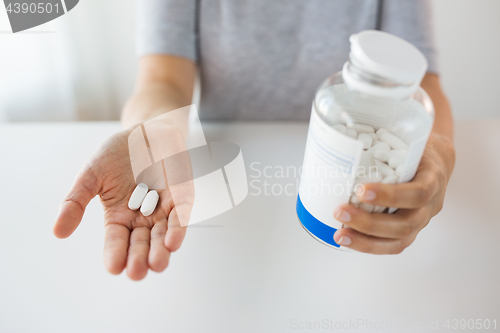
383, 155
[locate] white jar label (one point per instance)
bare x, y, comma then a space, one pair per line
328, 173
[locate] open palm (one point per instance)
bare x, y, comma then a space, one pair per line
132, 240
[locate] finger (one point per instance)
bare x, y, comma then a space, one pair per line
137, 262
71, 210
414, 194
369, 244
182, 198
116, 240
402, 224
175, 232
158, 254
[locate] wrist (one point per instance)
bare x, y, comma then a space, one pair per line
444, 150
134, 114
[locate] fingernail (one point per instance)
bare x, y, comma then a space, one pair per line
369, 195
345, 241
359, 189
341, 215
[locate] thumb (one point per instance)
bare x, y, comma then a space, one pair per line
72, 208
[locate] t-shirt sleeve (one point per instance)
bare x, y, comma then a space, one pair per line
412, 21
167, 27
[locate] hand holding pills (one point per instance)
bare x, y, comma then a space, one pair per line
418, 200
142, 228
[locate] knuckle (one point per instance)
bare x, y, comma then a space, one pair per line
390, 195
438, 180
397, 250
399, 247
440, 206
424, 215
367, 224
407, 227
441, 178
422, 194
368, 247
76, 203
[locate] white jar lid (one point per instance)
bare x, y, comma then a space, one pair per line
389, 57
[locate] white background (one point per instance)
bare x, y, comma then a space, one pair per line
85, 68
251, 269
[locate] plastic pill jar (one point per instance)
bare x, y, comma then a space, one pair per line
379, 86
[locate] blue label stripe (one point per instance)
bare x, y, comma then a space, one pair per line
315, 226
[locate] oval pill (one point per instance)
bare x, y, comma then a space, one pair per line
381, 146
392, 179
371, 178
382, 155
138, 196
384, 169
341, 128
392, 210
366, 207
360, 128
379, 209
366, 160
354, 199
366, 139
392, 140
395, 161
149, 203
399, 170
381, 131
352, 133
399, 152
374, 136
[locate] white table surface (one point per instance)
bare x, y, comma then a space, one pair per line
251, 269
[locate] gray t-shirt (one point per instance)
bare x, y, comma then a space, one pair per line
264, 59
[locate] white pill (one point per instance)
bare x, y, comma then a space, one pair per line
382, 130
373, 177
379, 209
399, 152
399, 170
392, 179
395, 161
341, 128
366, 160
149, 203
376, 142
381, 146
355, 200
366, 139
370, 158
366, 207
138, 196
374, 136
360, 128
352, 133
392, 140
383, 169
382, 155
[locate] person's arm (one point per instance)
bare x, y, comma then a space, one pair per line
443, 121
165, 83
419, 200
